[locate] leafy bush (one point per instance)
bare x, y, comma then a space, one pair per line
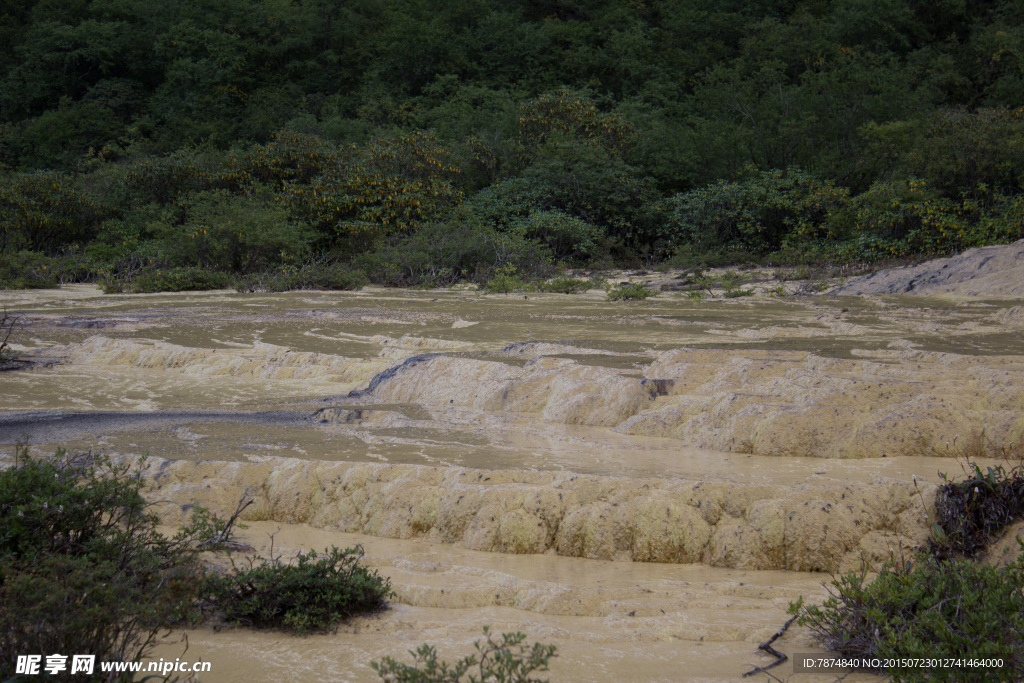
162, 179
168, 280
527, 207
506, 202
572, 113
442, 254
289, 157
759, 215
27, 270
45, 211
82, 567
566, 285
237, 233
958, 151
389, 185
596, 186
636, 291
942, 603
496, 661
506, 281
733, 281
568, 237
331, 276
897, 218
926, 608
314, 594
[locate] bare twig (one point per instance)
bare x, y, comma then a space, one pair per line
226, 534
780, 657
7, 323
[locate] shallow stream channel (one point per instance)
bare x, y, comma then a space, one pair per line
646, 485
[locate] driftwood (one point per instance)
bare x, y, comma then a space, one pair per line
780, 657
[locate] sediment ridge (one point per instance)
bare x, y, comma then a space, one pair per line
880, 403
721, 524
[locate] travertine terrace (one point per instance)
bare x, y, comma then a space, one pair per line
645, 484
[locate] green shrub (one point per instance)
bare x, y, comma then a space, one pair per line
565, 285
168, 280
27, 270
442, 254
958, 151
45, 211
238, 233
1003, 221
504, 203
496, 661
329, 276
390, 185
759, 215
926, 608
636, 291
901, 217
314, 594
506, 280
82, 567
290, 157
568, 237
733, 281
162, 179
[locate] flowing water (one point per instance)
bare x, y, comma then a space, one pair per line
645, 484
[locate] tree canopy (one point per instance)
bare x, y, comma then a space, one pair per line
364, 122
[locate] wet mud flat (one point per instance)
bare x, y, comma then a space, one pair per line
680, 470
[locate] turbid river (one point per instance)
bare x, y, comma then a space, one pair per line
647, 485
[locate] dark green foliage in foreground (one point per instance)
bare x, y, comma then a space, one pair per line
926, 608
316, 593
506, 660
82, 567
943, 603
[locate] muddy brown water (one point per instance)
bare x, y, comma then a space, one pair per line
645, 484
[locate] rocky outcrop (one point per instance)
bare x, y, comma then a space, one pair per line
996, 271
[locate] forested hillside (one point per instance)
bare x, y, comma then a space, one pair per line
280, 143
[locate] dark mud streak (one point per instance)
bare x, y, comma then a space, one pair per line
52, 426
385, 375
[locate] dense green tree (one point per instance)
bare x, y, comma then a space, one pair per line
573, 127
